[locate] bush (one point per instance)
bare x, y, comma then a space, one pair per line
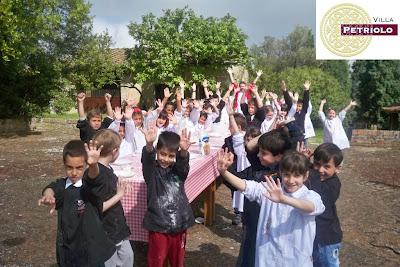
62, 102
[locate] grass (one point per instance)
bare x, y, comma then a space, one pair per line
66, 116
318, 138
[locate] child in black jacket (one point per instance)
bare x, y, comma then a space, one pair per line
168, 210
81, 239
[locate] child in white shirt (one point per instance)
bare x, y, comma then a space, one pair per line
286, 225
333, 127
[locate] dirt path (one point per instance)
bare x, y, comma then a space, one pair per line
369, 211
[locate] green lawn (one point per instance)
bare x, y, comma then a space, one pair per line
318, 138
65, 116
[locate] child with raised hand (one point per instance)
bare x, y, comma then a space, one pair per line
81, 240
102, 183
333, 127
89, 124
124, 126
168, 214
286, 225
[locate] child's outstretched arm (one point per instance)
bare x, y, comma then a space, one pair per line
224, 160
306, 96
121, 189
167, 95
193, 91
93, 156
179, 94
230, 72
205, 87
350, 105
80, 98
109, 109
274, 193
259, 72
232, 122
228, 93
48, 199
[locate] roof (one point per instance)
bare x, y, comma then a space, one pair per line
118, 55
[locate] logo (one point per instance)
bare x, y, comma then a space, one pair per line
347, 30
331, 30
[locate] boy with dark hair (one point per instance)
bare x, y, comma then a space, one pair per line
269, 148
324, 180
89, 124
81, 240
169, 214
253, 110
286, 223
102, 183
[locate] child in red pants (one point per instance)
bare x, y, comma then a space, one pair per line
168, 210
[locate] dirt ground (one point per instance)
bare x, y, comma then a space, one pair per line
369, 206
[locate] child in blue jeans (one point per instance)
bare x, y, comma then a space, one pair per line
286, 225
324, 180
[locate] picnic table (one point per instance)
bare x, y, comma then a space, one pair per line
201, 178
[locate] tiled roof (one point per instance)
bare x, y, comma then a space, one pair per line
118, 55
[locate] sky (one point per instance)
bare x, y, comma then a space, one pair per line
256, 18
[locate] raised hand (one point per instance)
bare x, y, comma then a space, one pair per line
274, 190
259, 72
218, 86
307, 85
48, 199
303, 150
93, 152
167, 93
263, 93
353, 103
107, 97
159, 104
230, 70
205, 83
128, 112
296, 97
118, 113
182, 85
184, 143
273, 96
150, 133
323, 101
283, 85
194, 87
224, 160
179, 94
81, 97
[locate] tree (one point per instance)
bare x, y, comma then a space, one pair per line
44, 46
277, 54
376, 84
180, 44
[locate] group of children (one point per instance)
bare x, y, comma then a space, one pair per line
287, 205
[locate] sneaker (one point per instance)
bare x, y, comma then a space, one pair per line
199, 220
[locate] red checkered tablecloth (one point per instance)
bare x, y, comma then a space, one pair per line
203, 171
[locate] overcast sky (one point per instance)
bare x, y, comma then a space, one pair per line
257, 18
